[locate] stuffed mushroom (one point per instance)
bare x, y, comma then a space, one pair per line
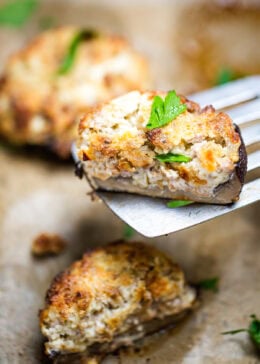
112, 297
162, 145
47, 86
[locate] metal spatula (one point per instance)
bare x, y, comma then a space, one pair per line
150, 216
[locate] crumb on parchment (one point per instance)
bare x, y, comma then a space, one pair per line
48, 244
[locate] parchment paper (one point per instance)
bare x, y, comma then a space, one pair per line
42, 195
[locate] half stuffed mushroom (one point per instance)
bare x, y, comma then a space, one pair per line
163, 145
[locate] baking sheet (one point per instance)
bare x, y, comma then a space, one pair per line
42, 195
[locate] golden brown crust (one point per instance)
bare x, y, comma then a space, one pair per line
115, 265
113, 289
39, 107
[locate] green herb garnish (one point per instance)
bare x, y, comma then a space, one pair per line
15, 13
210, 284
128, 232
164, 111
171, 158
253, 330
226, 75
69, 58
178, 203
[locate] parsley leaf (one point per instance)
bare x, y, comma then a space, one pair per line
253, 331
226, 75
15, 13
170, 158
173, 106
70, 56
164, 111
210, 284
128, 232
178, 203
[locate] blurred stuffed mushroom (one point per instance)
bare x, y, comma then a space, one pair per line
47, 86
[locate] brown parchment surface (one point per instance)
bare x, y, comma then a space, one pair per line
186, 43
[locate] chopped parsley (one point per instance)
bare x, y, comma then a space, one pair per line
178, 203
15, 13
253, 330
210, 284
170, 158
128, 232
164, 111
226, 75
69, 59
